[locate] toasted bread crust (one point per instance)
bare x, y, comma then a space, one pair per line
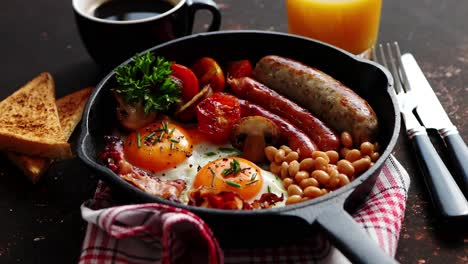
70, 109
29, 121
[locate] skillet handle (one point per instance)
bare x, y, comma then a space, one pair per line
350, 238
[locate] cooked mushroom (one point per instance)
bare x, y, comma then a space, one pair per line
187, 112
252, 134
132, 116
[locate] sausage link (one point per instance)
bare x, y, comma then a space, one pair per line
295, 138
255, 92
330, 100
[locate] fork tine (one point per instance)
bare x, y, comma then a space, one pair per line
382, 56
394, 69
400, 66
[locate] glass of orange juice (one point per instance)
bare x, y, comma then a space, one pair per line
352, 25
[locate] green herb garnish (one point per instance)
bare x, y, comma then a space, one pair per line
146, 80
254, 176
209, 154
233, 184
251, 182
214, 176
269, 189
174, 140
234, 169
172, 145
138, 139
224, 149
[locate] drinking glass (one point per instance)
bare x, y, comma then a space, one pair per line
352, 25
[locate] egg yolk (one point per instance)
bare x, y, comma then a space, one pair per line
231, 174
158, 147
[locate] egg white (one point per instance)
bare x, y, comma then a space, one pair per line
206, 152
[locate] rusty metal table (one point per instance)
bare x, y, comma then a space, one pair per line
42, 223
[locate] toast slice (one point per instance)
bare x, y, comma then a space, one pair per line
29, 121
70, 109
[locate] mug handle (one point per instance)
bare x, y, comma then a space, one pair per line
210, 5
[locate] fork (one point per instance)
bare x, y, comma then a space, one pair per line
445, 193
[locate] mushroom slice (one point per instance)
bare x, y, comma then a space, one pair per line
187, 111
132, 117
252, 134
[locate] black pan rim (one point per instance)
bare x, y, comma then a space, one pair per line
116, 180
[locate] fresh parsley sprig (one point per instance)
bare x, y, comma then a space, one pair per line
146, 80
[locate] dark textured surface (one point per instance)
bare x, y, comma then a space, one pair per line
42, 224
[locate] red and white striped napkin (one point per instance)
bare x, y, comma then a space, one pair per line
157, 233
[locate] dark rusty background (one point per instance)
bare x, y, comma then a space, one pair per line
42, 223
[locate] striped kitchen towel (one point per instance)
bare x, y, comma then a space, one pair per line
157, 233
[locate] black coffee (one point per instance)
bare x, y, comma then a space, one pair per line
124, 10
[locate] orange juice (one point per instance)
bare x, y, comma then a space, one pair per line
349, 24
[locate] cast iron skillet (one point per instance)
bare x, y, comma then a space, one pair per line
329, 213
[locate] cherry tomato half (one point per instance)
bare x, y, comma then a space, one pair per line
217, 114
208, 72
189, 81
238, 69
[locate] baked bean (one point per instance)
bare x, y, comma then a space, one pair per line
361, 165
376, 146
322, 154
304, 199
324, 191
343, 179
333, 156
293, 155
372, 164
331, 168
308, 182
344, 166
343, 152
293, 168
321, 176
284, 169
367, 157
367, 148
353, 155
374, 156
279, 155
334, 181
320, 163
286, 149
301, 175
312, 192
275, 168
346, 139
287, 182
294, 189
293, 199
307, 164
270, 152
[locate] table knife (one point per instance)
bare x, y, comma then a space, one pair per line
433, 116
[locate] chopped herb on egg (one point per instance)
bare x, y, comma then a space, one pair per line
214, 176
254, 176
138, 139
209, 154
225, 149
251, 182
234, 169
233, 184
174, 140
268, 189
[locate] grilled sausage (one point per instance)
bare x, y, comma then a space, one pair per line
253, 91
295, 138
330, 100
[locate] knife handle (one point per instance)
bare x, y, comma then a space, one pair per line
443, 189
459, 155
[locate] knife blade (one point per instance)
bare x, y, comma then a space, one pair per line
433, 116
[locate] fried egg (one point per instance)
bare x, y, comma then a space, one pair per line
171, 151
